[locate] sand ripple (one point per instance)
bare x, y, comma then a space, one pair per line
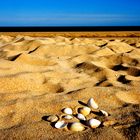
40, 75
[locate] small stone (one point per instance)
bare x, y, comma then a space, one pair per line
109, 123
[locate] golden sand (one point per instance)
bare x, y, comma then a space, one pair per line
41, 75
77, 34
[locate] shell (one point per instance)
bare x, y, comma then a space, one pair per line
60, 124
81, 117
104, 113
76, 126
84, 110
67, 111
92, 103
52, 118
68, 117
94, 123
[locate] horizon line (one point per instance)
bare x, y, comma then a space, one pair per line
66, 28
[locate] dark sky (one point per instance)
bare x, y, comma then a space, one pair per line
70, 13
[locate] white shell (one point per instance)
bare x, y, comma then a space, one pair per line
67, 111
76, 126
84, 110
68, 117
92, 103
81, 117
60, 124
94, 123
52, 118
104, 113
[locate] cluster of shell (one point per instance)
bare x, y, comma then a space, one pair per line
81, 115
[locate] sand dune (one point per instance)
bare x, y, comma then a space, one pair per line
40, 75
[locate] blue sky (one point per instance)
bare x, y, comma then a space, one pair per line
70, 13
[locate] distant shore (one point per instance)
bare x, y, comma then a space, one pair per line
76, 34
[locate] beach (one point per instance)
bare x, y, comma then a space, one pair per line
41, 75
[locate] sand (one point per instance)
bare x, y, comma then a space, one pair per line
41, 75
77, 34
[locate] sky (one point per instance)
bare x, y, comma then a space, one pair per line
70, 13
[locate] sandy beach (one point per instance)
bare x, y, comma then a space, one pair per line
39, 76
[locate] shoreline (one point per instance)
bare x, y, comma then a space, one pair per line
98, 34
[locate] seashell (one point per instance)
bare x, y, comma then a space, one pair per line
76, 126
94, 123
81, 117
52, 118
92, 103
60, 124
67, 111
84, 110
68, 117
104, 113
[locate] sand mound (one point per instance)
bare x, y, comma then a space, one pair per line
39, 76
132, 97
